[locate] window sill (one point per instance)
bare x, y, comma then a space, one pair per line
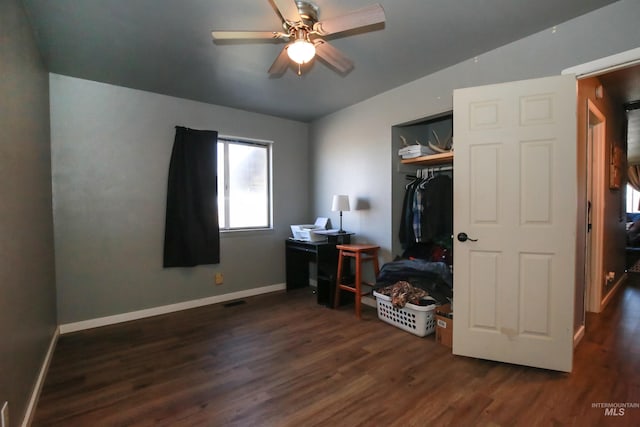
245, 231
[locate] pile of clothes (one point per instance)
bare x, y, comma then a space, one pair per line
433, 277
402, 293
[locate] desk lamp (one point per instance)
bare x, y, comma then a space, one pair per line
340, 203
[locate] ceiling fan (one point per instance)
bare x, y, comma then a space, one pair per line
304, 34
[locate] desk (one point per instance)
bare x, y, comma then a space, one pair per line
325, 256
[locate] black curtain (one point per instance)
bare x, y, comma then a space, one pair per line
192, 234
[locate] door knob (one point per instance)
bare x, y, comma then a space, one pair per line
462, 237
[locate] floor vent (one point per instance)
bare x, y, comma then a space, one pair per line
234, 303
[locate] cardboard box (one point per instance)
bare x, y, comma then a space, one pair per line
444, 325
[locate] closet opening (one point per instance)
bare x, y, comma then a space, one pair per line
422, 156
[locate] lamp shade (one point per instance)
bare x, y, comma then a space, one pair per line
301, 51
340, 203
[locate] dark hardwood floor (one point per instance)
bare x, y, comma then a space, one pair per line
282, 360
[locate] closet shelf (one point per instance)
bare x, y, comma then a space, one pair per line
431, 159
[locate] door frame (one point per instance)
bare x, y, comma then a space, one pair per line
594, 68
596, 131
605, 65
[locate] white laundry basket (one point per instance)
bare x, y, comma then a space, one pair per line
416, 319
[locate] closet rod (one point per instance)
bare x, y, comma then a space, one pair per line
434, 169
425, 171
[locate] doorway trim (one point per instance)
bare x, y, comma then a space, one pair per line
607, 64
597, 67
596, 123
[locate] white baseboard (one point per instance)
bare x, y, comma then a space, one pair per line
369, 300
35, 394
577, 337
613, 291
155, 311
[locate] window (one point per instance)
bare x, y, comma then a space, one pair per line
633, 199
244, 184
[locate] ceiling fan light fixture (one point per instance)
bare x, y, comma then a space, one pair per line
304, 34
301, 50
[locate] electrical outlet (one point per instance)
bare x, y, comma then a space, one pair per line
610, 277
219, 278
4, 415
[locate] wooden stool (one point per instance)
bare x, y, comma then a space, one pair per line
360, 253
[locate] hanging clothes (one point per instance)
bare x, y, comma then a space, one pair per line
427, 210
406, 234
437, 208
418, 210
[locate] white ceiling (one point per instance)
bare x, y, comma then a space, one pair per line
165, 46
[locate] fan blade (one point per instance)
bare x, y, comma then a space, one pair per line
333, 56
281, 63
240, 35
288, 10
358, 18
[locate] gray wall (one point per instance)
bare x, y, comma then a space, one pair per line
352, 148
360, 136
27, 288
110, 158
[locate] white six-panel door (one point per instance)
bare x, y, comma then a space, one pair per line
515, 192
